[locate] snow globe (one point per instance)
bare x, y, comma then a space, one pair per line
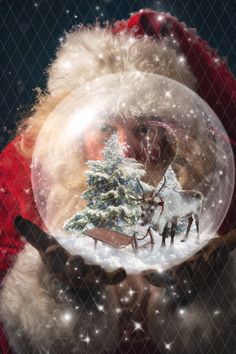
128, 167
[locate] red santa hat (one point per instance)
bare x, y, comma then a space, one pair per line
215, 83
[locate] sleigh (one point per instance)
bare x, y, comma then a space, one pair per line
119, 240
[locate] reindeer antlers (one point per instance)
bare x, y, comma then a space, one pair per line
163, 184
70, 269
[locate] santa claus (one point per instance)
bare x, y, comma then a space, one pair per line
54, 302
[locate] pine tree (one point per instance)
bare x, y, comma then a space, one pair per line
112, 182
172, 183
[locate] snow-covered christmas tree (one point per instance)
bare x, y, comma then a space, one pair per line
171, 183
112, 183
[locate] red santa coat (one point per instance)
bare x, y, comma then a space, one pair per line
216, 85
16, 198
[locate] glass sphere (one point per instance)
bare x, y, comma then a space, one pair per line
161, 123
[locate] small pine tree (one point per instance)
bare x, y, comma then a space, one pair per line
111, 182
172, 183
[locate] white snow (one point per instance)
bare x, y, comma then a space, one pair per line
112, 258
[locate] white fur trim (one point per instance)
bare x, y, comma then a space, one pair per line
90, 52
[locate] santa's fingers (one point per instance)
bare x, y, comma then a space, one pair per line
73, 271
196, 270
33, 234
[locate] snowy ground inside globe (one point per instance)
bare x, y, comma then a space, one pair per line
158, 258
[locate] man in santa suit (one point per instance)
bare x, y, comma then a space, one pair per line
44, 308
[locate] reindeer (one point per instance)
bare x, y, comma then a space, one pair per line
160, 209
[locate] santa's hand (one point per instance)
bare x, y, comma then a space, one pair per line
68, 268
196, 271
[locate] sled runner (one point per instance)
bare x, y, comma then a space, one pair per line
117, 239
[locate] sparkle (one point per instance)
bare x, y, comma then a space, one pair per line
168, 346
137, 326
67, 317
168, 94
100, 308
118, 310
216, 312
181, 59
160, 17
131, 292
87, 339
181, 312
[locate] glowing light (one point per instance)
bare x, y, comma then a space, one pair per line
118, 310
181, 59
168, 94
137, 326
216, 312
100, 308
87, 339
73, 128
181, 312
66, 64
168, 346
160, 17
67, 317
131, 292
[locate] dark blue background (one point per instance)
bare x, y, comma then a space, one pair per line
30, 32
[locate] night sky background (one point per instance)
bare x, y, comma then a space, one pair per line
30, 33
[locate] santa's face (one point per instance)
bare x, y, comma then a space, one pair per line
145, 142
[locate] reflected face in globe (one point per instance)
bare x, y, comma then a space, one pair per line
141, 139
147, 141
